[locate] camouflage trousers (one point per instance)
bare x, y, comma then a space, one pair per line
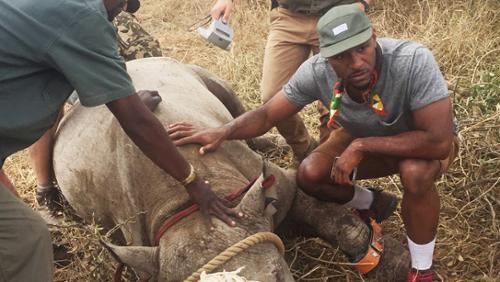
133, 41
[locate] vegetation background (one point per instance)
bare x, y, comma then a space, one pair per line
464, 36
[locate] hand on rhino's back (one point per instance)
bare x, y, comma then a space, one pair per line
101, 155
105, 176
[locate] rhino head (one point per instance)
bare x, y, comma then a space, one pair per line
190, 244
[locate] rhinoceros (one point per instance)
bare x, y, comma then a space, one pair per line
105, 177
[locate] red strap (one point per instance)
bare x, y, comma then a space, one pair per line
173, 220
266, 183
180, 215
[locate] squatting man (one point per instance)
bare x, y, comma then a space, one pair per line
390, 113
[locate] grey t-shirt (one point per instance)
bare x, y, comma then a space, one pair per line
409, 79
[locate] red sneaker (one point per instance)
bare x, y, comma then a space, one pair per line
422, 276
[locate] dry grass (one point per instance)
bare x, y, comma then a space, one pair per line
465, 38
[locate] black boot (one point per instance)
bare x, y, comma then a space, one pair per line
50, 197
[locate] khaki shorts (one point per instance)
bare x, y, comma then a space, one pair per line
373, 165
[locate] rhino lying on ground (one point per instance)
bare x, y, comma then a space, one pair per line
104, 175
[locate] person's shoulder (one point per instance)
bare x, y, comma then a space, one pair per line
401, 53
400, 47
96, 6
78, 10
316, 63
317, 60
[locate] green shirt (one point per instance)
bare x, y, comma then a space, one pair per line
49, 48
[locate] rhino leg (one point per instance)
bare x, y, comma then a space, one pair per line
220, 89
340, 226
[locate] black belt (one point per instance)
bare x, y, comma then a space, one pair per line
275, 4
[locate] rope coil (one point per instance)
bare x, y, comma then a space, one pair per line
236, 249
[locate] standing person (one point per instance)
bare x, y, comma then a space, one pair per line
47, 50
292, 38
395, 116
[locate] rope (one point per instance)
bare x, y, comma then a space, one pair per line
266, 183
236, 249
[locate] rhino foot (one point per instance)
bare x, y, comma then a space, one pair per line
268, 143
394, 263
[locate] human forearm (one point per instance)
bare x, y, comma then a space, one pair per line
430, 140
251, 124
262, 119
148, 134
412, 144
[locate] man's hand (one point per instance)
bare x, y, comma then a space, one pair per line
222, 8
151, 137
210, 204
344, 166
209, 138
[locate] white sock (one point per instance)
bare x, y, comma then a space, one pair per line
361, 200
421, 255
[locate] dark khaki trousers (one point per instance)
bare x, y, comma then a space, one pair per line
292, 38
25, 244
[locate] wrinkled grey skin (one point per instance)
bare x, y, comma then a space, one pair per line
103, 175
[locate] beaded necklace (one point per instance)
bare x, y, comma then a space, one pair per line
339, 91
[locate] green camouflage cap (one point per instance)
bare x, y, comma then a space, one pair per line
341, 28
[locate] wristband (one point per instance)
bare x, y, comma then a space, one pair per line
190, 178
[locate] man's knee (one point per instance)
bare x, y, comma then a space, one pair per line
310, 175
418, 176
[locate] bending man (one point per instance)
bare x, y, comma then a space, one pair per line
47, 50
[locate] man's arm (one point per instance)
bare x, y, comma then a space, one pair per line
250, 124
431, 140
148, 134
262, 119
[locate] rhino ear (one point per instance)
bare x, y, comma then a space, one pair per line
144, 260
253, 203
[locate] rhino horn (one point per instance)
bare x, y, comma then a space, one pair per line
253, 203
144, 260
